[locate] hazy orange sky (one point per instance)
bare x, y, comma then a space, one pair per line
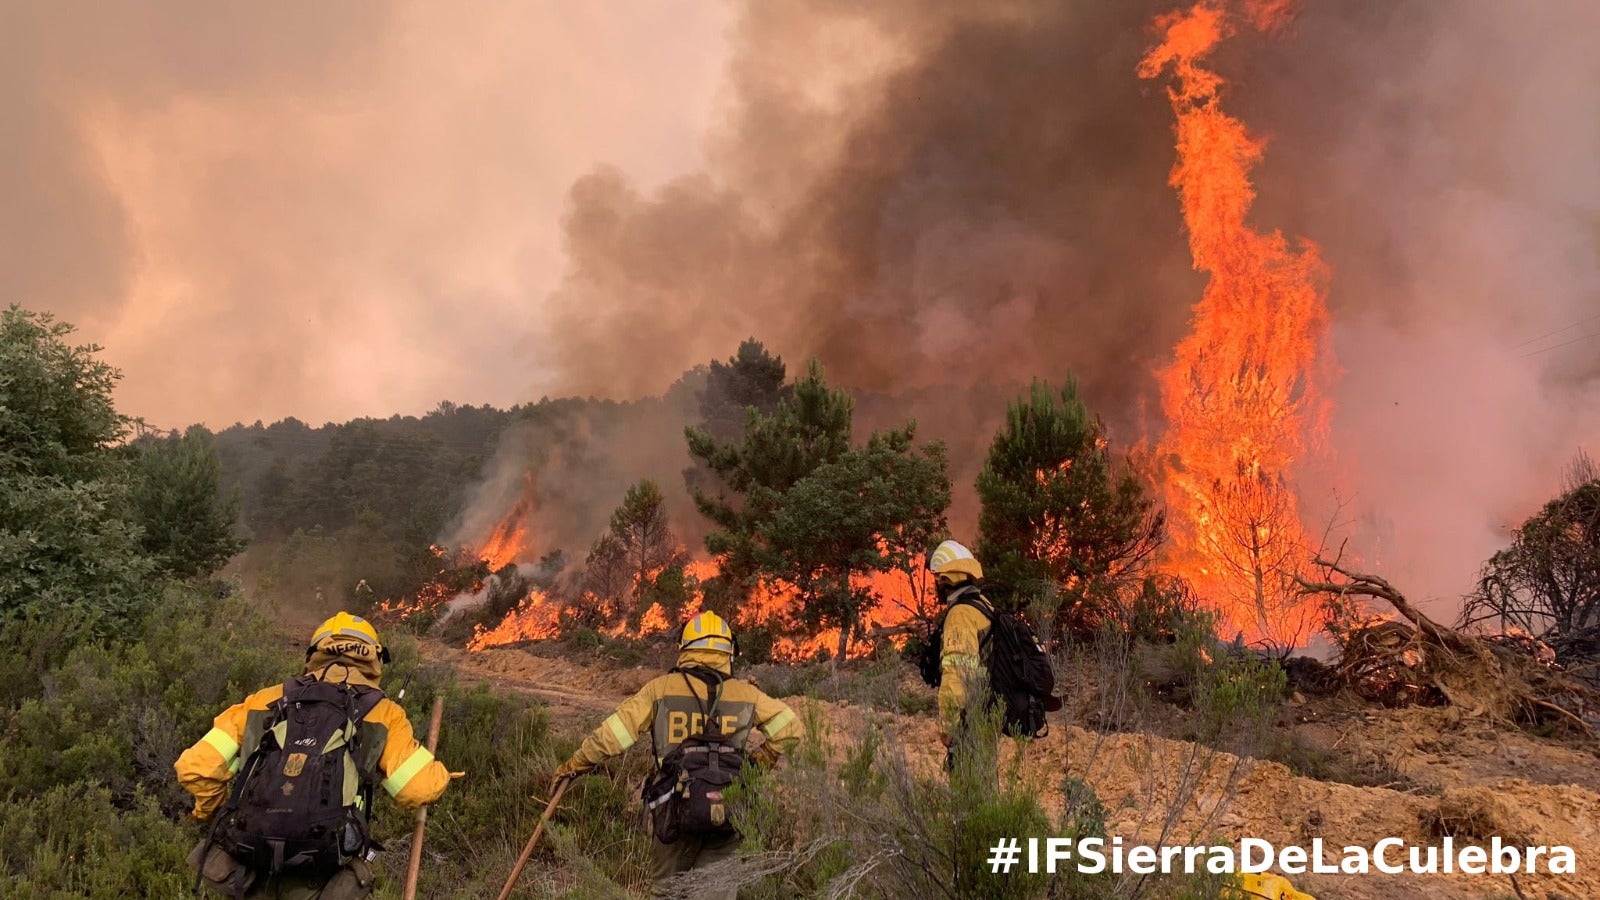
325, 210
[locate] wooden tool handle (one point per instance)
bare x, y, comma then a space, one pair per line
414, 864
527, 851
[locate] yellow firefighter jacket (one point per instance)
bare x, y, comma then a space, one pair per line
962, 656
411, 775
673, 706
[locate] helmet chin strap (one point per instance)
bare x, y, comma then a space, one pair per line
945, 585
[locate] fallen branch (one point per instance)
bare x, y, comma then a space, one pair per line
1374, 586
1428, 662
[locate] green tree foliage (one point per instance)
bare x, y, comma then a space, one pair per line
67, 542
640, 527
1548, 581
1057, 515
808, 510
329, 507
809, 428
177, 494
57, 416
636, 563
751, 379
873, 509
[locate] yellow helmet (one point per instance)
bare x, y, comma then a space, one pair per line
706, 631
951, 558
1274, 887
345, 625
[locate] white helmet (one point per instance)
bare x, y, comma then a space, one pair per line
951, 558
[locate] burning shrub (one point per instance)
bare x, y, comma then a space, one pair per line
1547, 583
1383, 661
1419, 658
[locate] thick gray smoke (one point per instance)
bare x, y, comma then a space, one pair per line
936, 196
574, 461
920, 193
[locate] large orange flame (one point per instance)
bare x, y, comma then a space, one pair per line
535, 619
902, 598
507, 542
1245, 395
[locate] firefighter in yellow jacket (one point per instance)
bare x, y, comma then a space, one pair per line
344, 651
673, 707
963, 654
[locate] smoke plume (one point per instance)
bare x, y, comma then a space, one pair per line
330, 210
935, 197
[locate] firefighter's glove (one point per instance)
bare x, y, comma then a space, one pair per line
765, 756
571, 769
455, 775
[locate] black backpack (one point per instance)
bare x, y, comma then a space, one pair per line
686, 794
1020, 674
300, 800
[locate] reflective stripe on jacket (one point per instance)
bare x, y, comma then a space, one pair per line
410, 773
671, 707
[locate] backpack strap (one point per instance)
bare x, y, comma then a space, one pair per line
362, 705
976, 600
713, 681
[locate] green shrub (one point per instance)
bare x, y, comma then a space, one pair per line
89, 806
118, 715
1233, 692
853, 817
75, 841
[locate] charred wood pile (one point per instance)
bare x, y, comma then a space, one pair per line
1413, 660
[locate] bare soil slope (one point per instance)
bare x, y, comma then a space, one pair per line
1459, 776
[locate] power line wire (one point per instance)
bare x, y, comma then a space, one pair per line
1556, 332
1582, 337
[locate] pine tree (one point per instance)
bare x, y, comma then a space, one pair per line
641, 529
1057, 515
807, 429
803, 509
751, 379
873, 509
